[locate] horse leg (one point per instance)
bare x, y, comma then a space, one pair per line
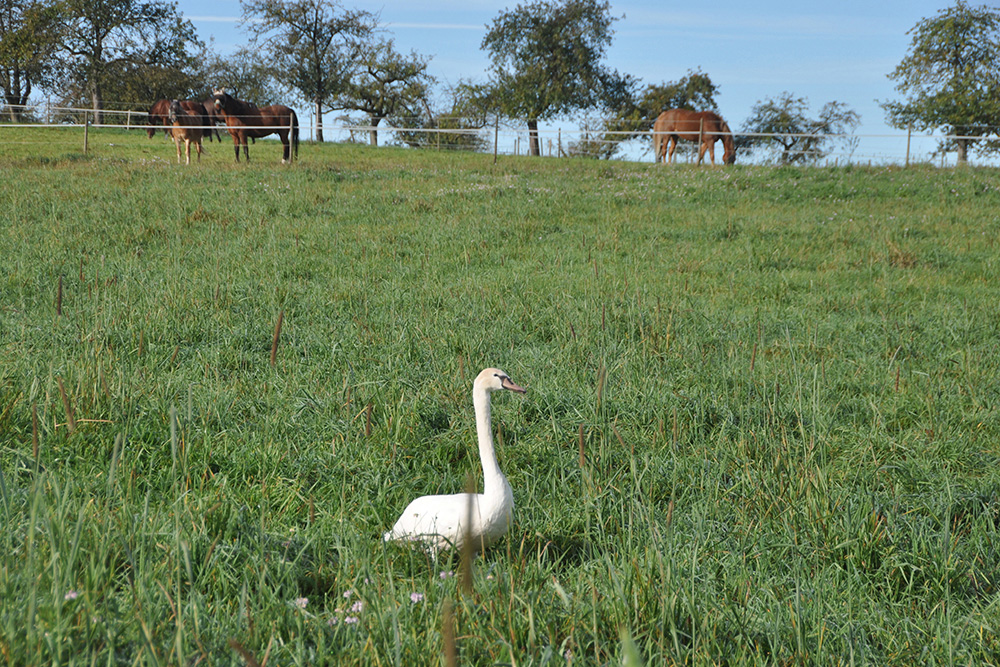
187, 150
286, 148
177, 143
246, 149
236, 146
672, 141
701, 152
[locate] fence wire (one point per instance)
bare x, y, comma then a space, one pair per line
503, 139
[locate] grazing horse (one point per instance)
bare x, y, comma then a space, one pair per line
159, 114
704, 127
188, 127
246, 121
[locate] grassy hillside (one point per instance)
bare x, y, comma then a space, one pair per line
761, 425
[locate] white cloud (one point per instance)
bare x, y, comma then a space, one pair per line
435, 26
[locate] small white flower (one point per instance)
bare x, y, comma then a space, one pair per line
416, 597
300, 602
70, 595
350, 620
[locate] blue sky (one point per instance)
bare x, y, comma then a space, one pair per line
821, 51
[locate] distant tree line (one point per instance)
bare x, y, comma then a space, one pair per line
547, 60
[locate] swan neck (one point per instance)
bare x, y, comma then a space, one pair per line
493, 477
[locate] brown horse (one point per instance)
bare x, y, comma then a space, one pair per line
213, 118
159, 114
704, 127
186, 126
246, 121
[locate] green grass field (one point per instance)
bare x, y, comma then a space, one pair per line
761, 426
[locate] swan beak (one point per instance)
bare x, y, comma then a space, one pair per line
507, 383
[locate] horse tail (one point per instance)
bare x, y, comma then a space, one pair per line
206, 121
295, 133
659, 139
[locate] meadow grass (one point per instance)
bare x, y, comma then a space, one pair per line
761, 425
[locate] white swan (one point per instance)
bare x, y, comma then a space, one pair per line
440, 522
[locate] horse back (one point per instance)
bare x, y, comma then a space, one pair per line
263, 121
191, 123
686, 122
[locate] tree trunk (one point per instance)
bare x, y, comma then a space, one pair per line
319, 121
963, 152
11, 101
98, 104
373, 133
15, 94
533, 145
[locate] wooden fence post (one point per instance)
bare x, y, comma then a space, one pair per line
86, 129
909, 131
496, 138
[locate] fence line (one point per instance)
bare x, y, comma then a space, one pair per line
488, 136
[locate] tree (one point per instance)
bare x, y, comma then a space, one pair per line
636, 116
457, 125
783, 125
951, 77
242, 75
314, 42
103, 37
695, 91
386, 84
546, 61
29, 30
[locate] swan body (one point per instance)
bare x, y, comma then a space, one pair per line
446, 521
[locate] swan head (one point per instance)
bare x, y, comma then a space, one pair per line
494, 379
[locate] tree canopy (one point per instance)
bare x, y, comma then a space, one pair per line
547, 60
29, 34
951, 78
787, 129
244, 76
105, 40
635, 117
314, 45
387, 84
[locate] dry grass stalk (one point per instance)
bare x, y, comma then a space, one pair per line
70, 421
277, 335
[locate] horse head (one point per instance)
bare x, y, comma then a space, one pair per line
221, 99
156, 115
175, 111
729, 146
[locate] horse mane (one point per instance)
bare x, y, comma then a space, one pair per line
727, 137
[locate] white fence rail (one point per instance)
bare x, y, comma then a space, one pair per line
901, 148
